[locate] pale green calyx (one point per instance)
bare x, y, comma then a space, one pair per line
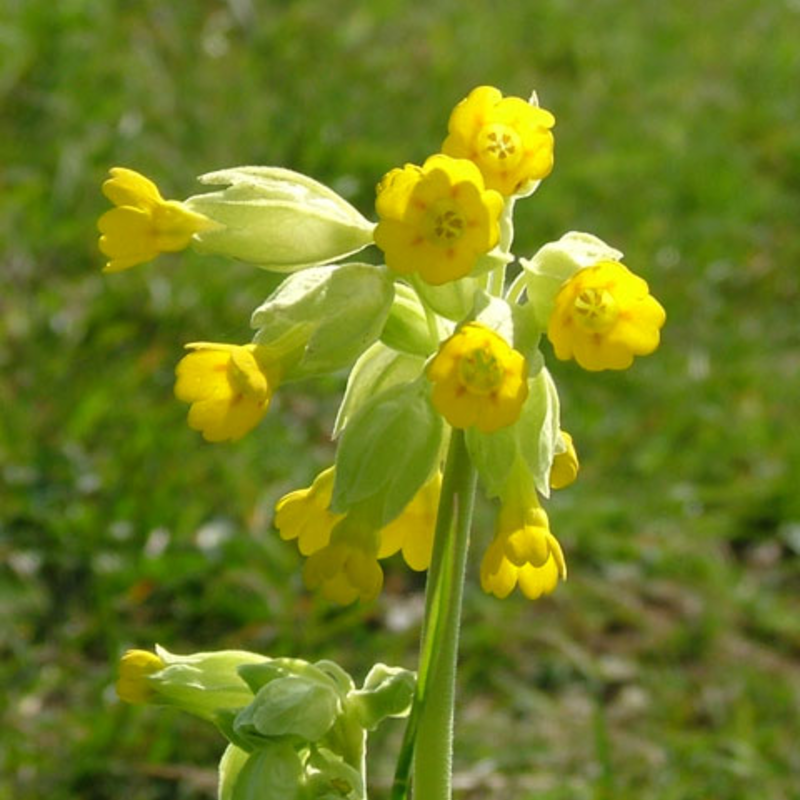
323, 318
407, 327
277, 219
378, 368
532, 440
387, 692
555, 263
388, 450
203, 683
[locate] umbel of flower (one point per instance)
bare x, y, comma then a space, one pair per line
143, 224
604, 316
478, 379
346, 570
437, 219
509, 139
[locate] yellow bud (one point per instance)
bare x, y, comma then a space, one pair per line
134, 668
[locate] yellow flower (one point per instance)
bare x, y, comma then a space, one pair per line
436, 219
345, 570
565, 465
509, 139
143, 224
524, 552
604, 316
229, 388
304, 514
478, 379
134, 668
413, 531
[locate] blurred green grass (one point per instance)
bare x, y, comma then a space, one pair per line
667, 667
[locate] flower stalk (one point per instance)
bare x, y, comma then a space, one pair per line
429, 734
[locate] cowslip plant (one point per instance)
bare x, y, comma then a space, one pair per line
447, 391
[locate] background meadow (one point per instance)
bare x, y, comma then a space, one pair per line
668, 666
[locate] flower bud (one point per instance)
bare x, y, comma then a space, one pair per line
277, 219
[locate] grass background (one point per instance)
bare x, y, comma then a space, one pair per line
667, 667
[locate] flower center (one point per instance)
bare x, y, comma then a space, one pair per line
445, 224
479, 371
500, 146
596, 310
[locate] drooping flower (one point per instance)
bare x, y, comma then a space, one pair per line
304, 514
143, 224
347, 568
134, 668
509, 139
524, 552
479, 379
565, 466
412, 532
604, 316
437, 219
228, 386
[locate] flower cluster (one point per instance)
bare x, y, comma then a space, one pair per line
439, 344
293, 726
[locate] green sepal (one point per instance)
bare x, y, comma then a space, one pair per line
277, 219
230, 765
534, 439
407, 328
387, 692
451, 300
323, 318
388, 450
377, 369
290, 706
555, 263
330, 777
203, 683
539, 429
273, 772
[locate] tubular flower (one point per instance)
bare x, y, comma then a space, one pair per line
134, 668
565, 465
304, 514
143, 224
436, 219
228, 386
478, 379
523, 552
510, 140
604, 316
347, 568
413, 531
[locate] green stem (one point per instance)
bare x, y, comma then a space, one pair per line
428, 741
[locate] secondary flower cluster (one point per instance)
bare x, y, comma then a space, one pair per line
298, 728
436, 338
